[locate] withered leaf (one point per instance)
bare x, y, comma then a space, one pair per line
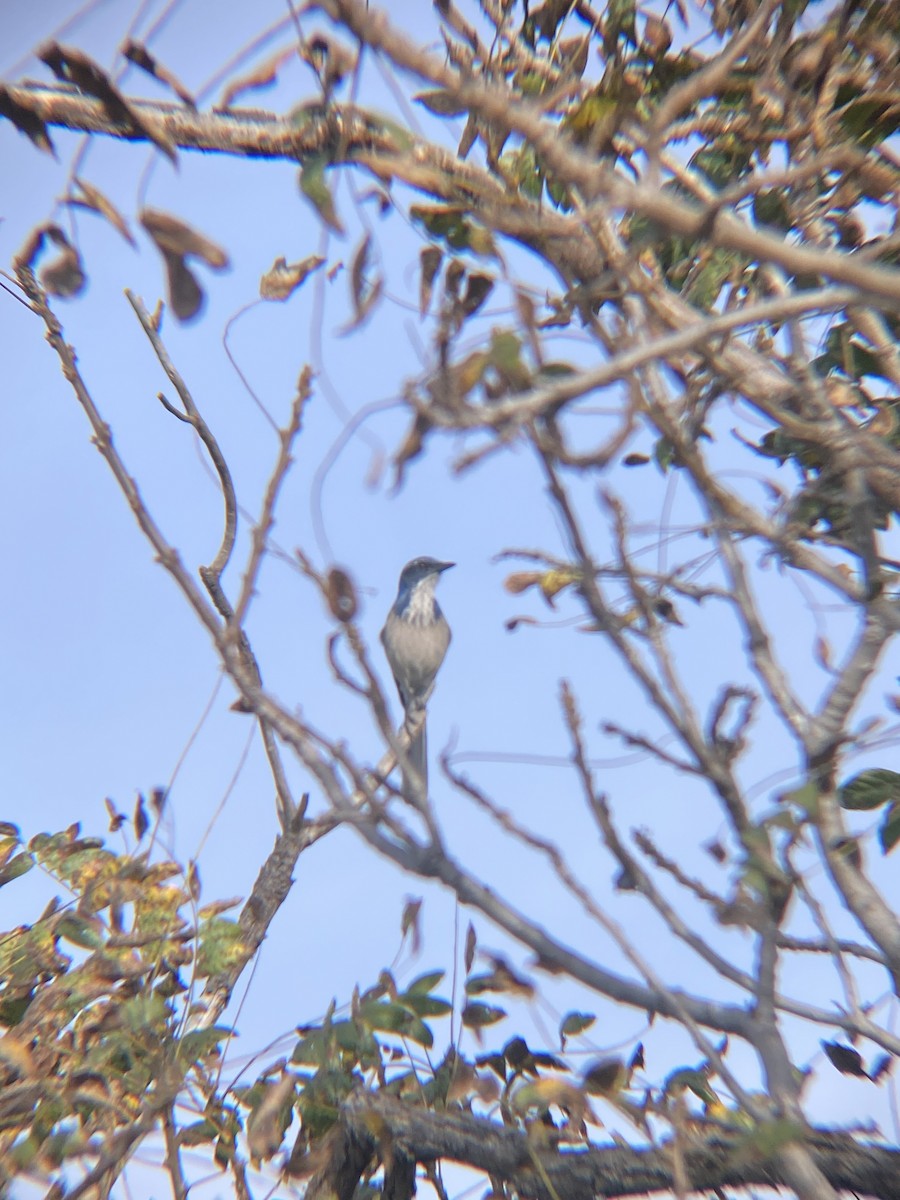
453, 278
176, 240
363, 293
74, 66
409, 923
264, 76
411, 446
140, 820
478, 288
270, 1119
847, 1060
430, 260
94, 200
185, 293
138, 53
657, 37
62, 276
283, 278
341, 596
467, 141
572, 56
471, 944
636, 1062
442, 104
193, 880
822, 653
604, 1076
358, 271
372, 296
882, 1066
25, 120
116, 819
330, 60
520, 581
175, 236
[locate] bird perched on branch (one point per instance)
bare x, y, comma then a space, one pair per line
415, 639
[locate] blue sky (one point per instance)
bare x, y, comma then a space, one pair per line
107, 675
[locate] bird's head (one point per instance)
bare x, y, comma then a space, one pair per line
419, 569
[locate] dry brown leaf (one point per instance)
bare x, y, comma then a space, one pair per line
63, 275
264, 76
94, 200
176, 240
74, 66
26, 120
471, 945
430, 259
283, 278
138, 53
175, 236
264, 1129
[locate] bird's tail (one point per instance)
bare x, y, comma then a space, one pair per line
417, 753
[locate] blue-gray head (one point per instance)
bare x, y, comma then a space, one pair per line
418, 579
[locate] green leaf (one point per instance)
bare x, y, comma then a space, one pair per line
604, 1076
705, 286
496, 1062
221, 946
726, 159
79, 931
846, 353
476, 1016
451, 223
199, 1043
442, 104
619, 22
527, 173
573, 1024
664, 454
870, 789
767, 1138
321, 1046
556, 370
805, 797
425, 1006
889, 830
869, 120
20, 865
196, 1134
314, 187
693, 1080
146, 1012
387, 127
559, 194
594, 121
425, 983
770, 207
506, 357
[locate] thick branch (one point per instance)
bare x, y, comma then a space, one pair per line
611, 1170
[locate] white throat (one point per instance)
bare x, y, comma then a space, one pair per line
421, 606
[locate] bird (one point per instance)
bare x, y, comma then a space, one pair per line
415, 639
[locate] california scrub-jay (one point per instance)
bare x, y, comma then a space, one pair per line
415, 639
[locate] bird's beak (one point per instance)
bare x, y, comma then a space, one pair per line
445, 566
